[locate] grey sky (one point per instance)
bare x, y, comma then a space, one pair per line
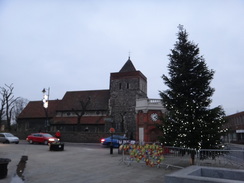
71, 45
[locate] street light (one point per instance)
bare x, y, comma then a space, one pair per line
45, 106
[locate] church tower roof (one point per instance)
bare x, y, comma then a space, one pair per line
128, 67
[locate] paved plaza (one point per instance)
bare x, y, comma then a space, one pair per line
78, 163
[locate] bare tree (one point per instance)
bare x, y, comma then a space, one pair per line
3, 105
81, 112
8, 100
19, 105
124, 124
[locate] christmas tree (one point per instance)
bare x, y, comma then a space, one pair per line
189, 121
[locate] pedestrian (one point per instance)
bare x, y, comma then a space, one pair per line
58, 134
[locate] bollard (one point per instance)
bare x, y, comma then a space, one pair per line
4, 167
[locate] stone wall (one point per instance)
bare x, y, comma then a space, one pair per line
124, 90
80, 137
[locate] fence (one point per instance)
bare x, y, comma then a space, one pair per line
222, 158
156, 155
179, 157
207, 157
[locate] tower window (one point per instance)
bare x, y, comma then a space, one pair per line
120, 86
128, 85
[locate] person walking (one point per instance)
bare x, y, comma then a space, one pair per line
58, 134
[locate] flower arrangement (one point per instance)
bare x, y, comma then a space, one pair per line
150, 154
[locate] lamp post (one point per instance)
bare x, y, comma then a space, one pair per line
45, 106
111, 130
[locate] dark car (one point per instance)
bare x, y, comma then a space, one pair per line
117, 140
8, 138
44, 138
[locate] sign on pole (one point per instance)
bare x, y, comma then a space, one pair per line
111, 130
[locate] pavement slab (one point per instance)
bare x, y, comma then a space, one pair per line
78, 163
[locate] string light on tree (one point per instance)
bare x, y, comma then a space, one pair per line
189, 121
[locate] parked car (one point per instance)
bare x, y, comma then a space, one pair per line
44, 138
8, 138
117, 140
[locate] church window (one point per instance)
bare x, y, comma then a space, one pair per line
120, 86
128, 85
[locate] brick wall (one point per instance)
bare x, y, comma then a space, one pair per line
79, 137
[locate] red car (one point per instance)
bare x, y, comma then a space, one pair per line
44, 138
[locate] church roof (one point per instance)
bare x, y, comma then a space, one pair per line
71, 100
34, 109
128, 67
127, 71
98, 100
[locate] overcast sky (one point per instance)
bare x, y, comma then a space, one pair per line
72, 45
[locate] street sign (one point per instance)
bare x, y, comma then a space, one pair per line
111, 130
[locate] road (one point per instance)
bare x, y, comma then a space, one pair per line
78, 163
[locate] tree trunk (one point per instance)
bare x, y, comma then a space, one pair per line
193, 153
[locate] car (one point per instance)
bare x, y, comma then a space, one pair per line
8, 138
44, 138
115, 139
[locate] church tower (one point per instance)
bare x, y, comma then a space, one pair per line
126, 86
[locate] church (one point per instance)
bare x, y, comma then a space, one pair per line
125, 107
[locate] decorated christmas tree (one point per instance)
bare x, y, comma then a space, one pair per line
189, 121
